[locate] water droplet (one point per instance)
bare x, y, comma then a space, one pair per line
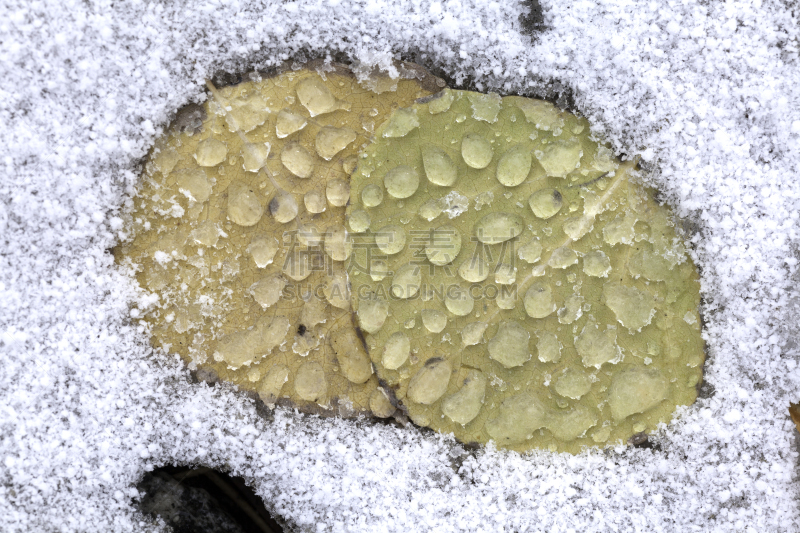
596, 347
406, 281
473, 269
194, 184
548, 347
439, 168
401, 182
569, 425
485, 107
359, 221
433, 320
316, 97
633, 308
330, 141
472, 333
444, 245
298, 264
509, 346
210, 152
337, 292
338, 192
476, 151
372, 195
267, 291
596, 264
573, 384
577, 227
396, 351
440, 102
298, 160
244, 208
620, 230
315, 202
458, 301
269, 390
338, 244
288, 123
378, 270
310, 383
390, 239
505, 274
430, 382
530, 252
380, 405
545, 203
572, 310
498, 227
263, 249
430, 210
372, 313
563, 257
254, 156
514, 166
560, 157
635, 391
349, 164
401, 123
516, 419
538, 300
283, 207
465, 404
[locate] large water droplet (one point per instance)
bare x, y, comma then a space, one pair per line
514, 166
401, 123
244, 207
430, 382
263, 249
538, 300
267, 291
473, 269
517, 419
338, 192
573, 384
396, 351
433, 320
210, 152
316, 97
545, 203
476, 151
315, 202
390, 239
596, 264
298, 160
509, 346
372, 313
636, 391
401, 181
372, 195
330, 141
548, 347
283, 207
597, 347
358, 220
458, 301
254, 156
498, 227
288, 123
465, 404
338, 244
443, 245
439, 168
310, 383
560, 157
407, 281
633, 308
194, 184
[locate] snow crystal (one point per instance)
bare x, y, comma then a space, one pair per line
708, 91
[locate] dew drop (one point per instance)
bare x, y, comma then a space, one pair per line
433, 320
473, 269
538, 300
545, 203
406, 281
298, 264
514, 166
358, 220
372, 195
210, 152
472, 333
378, 270
194, 184
254, 156
465, 404
633, 308
330, 141
560, 157
310, 383
298, 160
498, 227
316, 97
337, 291
505, 274
372, 313
207, 233
485, 107
431, 209
338, 244
263, 249
596, 347
315, 202
439, 168
440, 102
635, 391
530, 252
596, 264
509, 346
244, 208
396, 351
401, 182
390, 239
563, 257
288, 123
401, 123
338, 192
283, 207
573, 384
443, 246
458, 301
380, 405
267, 291
476, 151
548, 347
430, 382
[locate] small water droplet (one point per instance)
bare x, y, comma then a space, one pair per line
288, 123
338, 192
545, 203
283, 207
372, 195
210, 152
476, 151
390, 239
401, 181
298, 160
330, 141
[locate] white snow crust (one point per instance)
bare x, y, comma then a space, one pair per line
709, 92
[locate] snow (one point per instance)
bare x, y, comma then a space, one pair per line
709, 91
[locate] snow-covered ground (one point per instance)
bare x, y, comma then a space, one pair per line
709, 91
